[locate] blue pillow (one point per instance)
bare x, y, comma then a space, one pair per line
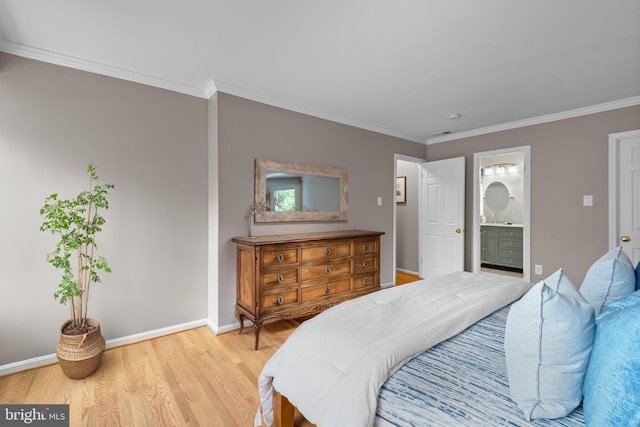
609, 279
611, 383
548, 339
638, 277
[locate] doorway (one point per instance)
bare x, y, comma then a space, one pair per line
406, 216
501, 212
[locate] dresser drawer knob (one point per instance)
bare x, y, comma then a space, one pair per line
327, 251
280, 257
327, 270
280, 277
280, 300
365, 263
365, 281
327, 289
365, 247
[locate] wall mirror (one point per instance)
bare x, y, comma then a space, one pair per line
497, 196
306, 192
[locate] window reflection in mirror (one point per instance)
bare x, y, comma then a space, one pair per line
305, 192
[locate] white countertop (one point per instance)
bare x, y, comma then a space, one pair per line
502, 225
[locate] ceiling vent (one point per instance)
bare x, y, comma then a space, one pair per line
444, 132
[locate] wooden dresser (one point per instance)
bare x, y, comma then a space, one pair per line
289, 276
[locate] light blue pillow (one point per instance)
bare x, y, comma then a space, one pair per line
613, 376
609, 279
548, 339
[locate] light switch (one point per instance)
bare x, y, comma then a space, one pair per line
587, 200
379, 200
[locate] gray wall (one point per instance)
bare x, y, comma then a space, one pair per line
183, 170
150, 143
248, 130
569, 158
407, 238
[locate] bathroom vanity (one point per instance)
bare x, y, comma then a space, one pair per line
501, 245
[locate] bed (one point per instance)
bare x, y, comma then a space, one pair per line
333, 366
474, 365
442, 362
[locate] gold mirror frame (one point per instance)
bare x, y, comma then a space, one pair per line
263, 166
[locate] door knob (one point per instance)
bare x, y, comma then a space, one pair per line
458, 230
625, 239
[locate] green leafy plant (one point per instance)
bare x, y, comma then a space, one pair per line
76, 222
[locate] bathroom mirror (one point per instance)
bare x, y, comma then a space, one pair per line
497, 196
306, 192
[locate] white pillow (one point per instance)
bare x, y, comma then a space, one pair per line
548, 340
609, 279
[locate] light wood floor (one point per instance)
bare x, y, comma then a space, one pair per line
192, 378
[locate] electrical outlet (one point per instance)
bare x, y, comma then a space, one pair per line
538, 269
379, 200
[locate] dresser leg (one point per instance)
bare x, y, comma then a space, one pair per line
240, 318
256, 327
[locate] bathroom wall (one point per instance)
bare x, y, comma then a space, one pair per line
515, 185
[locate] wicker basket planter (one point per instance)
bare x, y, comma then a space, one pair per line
80, 355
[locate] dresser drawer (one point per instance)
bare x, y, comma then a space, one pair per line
489, 231
511, 233
280, 277
366, 247
362, 282
511, 253
311, 293
326, 252
278, 257
364, 264
511, 261
275, 300
325, 270
509, 243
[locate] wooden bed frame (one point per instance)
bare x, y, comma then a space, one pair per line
283, 411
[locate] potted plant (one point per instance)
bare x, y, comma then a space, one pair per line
76, 222
259, 209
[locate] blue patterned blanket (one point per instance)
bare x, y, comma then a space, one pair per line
459, 382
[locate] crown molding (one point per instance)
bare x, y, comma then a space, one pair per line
214, 86
207, 92
98, 68
599, 108
210, 89
303, 109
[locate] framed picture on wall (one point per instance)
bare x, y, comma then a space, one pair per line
401, 189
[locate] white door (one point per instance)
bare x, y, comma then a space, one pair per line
627, 231
442, 219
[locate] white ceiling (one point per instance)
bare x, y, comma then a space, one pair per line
398, 67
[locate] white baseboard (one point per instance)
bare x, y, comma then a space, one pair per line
48, 359
216, 329
387, 285
402, 270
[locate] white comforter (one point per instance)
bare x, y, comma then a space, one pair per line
333, 366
